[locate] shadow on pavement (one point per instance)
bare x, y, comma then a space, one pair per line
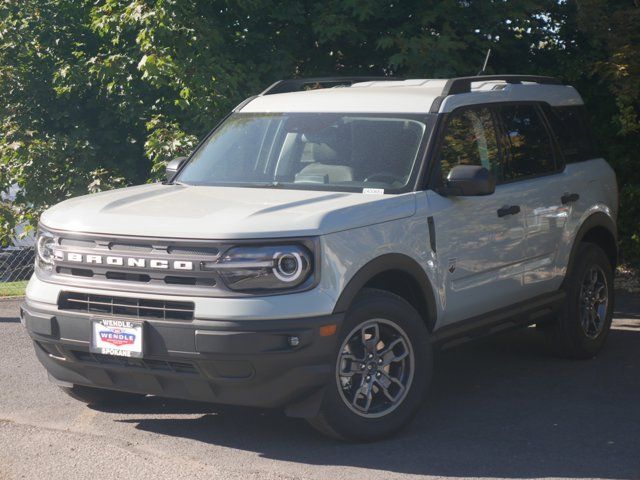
498, 408
9, 308
627, 306
9, 320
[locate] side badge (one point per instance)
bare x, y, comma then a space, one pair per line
452, 264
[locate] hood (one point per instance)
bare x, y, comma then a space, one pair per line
198, 212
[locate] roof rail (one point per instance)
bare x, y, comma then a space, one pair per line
463, 84
298, 84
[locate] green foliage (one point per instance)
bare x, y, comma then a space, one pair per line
12, 289
60, 137
607, 65
99, 94
165, 142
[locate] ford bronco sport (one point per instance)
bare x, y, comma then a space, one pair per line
324, 240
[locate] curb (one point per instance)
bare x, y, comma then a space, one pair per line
11, 299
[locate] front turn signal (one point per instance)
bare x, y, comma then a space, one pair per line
328, 330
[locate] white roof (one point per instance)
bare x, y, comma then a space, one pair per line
408, 96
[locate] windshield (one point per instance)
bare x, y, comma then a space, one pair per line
322, 151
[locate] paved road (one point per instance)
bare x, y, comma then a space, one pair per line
500, 408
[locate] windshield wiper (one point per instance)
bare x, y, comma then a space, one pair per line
231, 184
261, 185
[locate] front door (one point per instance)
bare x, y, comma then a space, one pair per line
480, 249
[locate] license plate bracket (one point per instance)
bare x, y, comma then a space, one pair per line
122, 338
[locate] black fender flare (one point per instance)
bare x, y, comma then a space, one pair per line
384, 263
597, 219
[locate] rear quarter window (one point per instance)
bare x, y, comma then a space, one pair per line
571, 128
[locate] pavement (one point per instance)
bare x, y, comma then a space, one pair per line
498, 408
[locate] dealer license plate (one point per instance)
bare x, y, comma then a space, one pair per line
117, 337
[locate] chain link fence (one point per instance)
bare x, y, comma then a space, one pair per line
16, 267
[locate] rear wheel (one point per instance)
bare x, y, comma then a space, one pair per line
382, 368
99, 396
582, 328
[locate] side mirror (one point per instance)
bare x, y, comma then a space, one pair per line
468, 181
173, 166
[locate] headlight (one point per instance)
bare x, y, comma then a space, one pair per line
264, 268
45, 243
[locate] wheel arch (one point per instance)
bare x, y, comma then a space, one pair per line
398, 274
600, 229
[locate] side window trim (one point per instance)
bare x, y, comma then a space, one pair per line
433, 181
426, 169
558, 155
433, 172
503, 149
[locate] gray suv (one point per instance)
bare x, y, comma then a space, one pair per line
324, 239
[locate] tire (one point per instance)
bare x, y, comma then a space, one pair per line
401, 365
580, 331
99, 396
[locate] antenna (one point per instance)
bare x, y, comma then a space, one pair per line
486, 61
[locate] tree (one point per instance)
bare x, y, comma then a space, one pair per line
611, 54
99, 94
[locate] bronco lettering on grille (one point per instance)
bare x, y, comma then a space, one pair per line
118, 261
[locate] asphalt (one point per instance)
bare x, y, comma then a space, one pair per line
498, 408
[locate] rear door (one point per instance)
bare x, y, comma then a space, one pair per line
480, 254
546, 193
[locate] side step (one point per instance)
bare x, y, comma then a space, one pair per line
519, 315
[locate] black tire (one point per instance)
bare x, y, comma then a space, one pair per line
100, 396
339, 420
567, 336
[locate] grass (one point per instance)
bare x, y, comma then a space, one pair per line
13, 289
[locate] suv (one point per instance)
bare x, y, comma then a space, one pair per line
321, 243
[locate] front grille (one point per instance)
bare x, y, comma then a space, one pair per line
74, 242
128, 277
124, 306
139, 276
130, 247
76, 272
210, 252
148, 364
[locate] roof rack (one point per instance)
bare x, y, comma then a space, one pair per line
298, 84
463, 84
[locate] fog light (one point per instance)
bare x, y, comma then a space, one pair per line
294, 341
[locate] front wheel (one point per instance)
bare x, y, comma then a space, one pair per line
382, 369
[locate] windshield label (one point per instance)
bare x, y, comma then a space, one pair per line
373, 191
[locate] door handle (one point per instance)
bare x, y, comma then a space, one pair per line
569, 197
508, 210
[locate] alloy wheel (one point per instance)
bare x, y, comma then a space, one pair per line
594, 301
375, 368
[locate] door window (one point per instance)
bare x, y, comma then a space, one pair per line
527, 141
470, 139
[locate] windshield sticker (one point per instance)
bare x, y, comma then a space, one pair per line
373, 191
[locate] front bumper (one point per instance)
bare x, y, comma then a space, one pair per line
240, 362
